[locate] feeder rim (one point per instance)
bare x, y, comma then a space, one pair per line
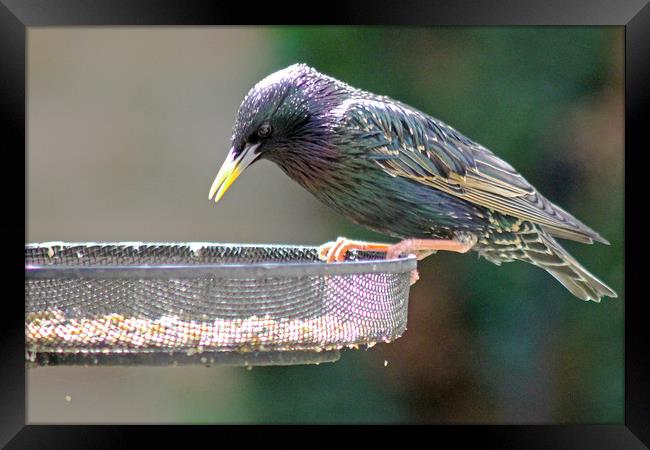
190, 271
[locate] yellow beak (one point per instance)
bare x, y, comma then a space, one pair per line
232, 167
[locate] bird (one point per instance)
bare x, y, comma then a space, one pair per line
400, 172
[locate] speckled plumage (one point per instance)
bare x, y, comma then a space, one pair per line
401, 172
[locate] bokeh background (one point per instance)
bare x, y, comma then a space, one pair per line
128, 126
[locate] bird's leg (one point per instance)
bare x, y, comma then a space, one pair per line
421, 248
425, 247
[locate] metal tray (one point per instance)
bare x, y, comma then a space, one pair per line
206, 303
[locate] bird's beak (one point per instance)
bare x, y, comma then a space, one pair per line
232, 167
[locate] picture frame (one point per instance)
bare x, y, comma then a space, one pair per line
17, 16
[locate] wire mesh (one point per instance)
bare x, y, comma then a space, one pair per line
124, 303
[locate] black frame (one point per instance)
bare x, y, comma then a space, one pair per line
17, 15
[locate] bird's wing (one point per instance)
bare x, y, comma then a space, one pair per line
408, 143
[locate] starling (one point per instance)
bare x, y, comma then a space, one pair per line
398, 171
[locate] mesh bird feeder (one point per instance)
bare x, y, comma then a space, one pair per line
206, 303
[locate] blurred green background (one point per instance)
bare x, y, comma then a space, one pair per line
128, 126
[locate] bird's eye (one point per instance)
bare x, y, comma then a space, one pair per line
264, 130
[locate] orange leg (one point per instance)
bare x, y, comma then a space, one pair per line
425, 247
335, 250
421, 248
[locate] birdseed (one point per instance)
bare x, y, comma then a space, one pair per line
52, 331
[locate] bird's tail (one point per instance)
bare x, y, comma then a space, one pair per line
538, 247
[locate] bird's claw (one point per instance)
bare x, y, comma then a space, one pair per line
415, 276
396, 251
334, 251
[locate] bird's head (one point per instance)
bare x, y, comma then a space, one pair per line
284, 114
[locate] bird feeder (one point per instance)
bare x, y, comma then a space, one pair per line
206, 303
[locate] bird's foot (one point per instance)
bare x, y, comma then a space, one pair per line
335, 250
